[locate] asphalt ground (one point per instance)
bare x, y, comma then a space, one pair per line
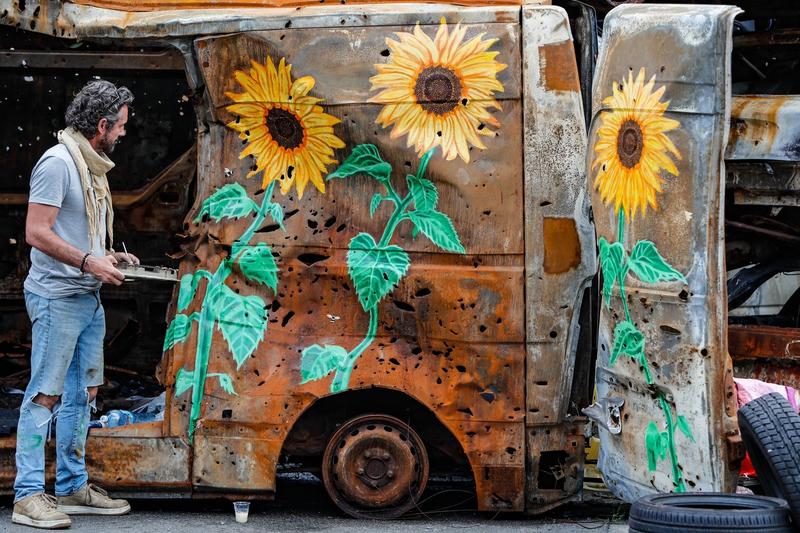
303, 505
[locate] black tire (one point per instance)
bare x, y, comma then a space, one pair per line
771, 433
698, 511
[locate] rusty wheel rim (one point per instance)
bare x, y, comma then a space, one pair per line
375, 466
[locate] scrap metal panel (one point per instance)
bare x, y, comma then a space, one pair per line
661, 109
559, 252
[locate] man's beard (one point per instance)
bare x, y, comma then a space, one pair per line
106, 145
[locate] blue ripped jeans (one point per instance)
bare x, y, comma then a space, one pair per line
66, 359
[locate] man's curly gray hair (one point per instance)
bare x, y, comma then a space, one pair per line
98, 99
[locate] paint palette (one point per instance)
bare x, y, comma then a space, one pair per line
157, 273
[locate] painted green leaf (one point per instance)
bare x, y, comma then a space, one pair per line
648, 265
612, 264
229, 201
242, 320
318, 361
683, 425
276, 212
375, 270
226, 382
364, 159
655, 444
183, 381
424, 193
628, 341
258, 264
373, 205
438, 228
177, 331
188, 287
186, 291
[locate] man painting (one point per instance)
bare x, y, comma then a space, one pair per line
69, 218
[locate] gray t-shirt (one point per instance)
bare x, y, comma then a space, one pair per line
55, 181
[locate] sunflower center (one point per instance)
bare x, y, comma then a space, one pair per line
629, 143
438, 90
285, 128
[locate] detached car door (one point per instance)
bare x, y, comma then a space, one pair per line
665, 398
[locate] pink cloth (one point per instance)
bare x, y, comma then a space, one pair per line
750, 389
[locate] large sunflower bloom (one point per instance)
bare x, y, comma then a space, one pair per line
439, 91
287, 133
632, 147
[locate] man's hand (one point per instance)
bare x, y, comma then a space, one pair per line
123, 257
103, 268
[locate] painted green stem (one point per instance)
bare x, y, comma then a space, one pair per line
623, 272
206, 323
342, 378
677, 476
673, 454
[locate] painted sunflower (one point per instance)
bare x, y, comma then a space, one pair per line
439, 91
632, 147
287, 133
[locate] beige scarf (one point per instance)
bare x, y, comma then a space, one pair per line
92, 167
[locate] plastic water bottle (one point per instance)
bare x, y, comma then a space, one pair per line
116, 417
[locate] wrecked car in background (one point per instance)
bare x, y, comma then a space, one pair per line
384, 220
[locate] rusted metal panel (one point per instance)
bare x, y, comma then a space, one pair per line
450, 336
156, 5
71, 20
660, 102
764, 127
767, 353
559, 250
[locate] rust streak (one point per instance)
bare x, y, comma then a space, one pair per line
558, 67
562, 248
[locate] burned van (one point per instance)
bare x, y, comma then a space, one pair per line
387, 222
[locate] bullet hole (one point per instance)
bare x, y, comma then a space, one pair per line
288, 24
464, 101
256, 372
438, 381
669, 329
482, 328
553, 334
541, 383
481, 126
309, 259
471, 433
466, 411
422, 292
403, 306
545, 203
290, 214
394, 361
461, 368
385, 52
439, 133
287, 318
499, 320
269, 228
311, 223
330, 222
683, 295
487, 212
511, 450
341, 228
488, 396
227, 413
704, 352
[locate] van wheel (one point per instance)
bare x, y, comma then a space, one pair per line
709, 511
375, 466
771, 433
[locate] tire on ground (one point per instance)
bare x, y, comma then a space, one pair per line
719, 512
771, 433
